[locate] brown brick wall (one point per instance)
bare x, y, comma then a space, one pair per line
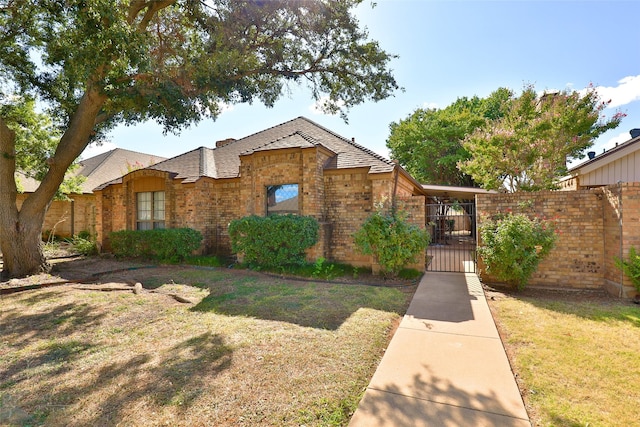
339, 199
349, 200
594, 226
67, 218
630, 212
578, 257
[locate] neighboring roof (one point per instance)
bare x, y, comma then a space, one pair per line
102, 168
454, 192
609, 156
224, 161
112, 164
25, 183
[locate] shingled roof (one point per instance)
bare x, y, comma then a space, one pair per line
112, 164
224, 161
102, 168
348, 153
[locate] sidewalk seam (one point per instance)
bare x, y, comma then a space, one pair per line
448, 333
423, 399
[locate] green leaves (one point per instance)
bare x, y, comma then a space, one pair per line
275, 240
513, 245
630, 267
170, 244
428, 143
527, 148
391, 240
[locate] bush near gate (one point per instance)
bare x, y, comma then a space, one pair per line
513, 245
273, 241
167, 244
393, 242
631, 267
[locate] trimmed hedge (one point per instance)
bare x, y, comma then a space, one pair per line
275, 240
165, 244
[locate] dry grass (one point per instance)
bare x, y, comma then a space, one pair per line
577, 356
251, 351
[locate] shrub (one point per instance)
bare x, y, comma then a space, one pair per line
170, 244
631, 267
275, 240
513, 245
391, 240
84, 246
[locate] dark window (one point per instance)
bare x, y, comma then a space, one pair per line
150, 210
282, 199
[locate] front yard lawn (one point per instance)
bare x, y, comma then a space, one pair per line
576, 356
250, 350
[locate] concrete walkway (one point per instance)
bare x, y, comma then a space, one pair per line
445, 365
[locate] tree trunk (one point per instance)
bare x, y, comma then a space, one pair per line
20, 230
20, 235
21, 244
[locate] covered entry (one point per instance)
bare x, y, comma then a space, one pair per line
451, 221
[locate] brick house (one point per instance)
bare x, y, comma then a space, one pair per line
296, 167
66, 218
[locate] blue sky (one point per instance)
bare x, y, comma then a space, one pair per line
450, 49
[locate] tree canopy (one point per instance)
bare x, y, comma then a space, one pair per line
528, 147
35, 141
94, 64
428, 143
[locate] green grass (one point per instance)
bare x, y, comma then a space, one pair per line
252, 350
317, 305
579, 361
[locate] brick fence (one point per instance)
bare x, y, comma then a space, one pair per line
593, 226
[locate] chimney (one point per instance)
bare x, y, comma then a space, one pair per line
224, 142
635, 132
591, 154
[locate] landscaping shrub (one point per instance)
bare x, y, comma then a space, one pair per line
631, 267
169, 244
392, 241
513, 245
84, 245
275, 240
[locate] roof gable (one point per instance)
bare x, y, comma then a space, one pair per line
104, 167
609, 156
112, 164
300, 132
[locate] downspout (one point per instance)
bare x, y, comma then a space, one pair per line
395, 188
73, 218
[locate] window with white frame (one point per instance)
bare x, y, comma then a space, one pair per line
149, 210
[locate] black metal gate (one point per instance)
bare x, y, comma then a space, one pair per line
453, 237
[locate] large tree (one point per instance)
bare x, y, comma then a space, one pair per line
527, 149
428, 143
97, 63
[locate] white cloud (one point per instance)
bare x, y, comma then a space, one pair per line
316, 107
619, 139
95, 149
627, 91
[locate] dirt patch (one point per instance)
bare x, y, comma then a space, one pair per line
600, 296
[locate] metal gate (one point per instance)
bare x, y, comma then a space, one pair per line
453, 237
